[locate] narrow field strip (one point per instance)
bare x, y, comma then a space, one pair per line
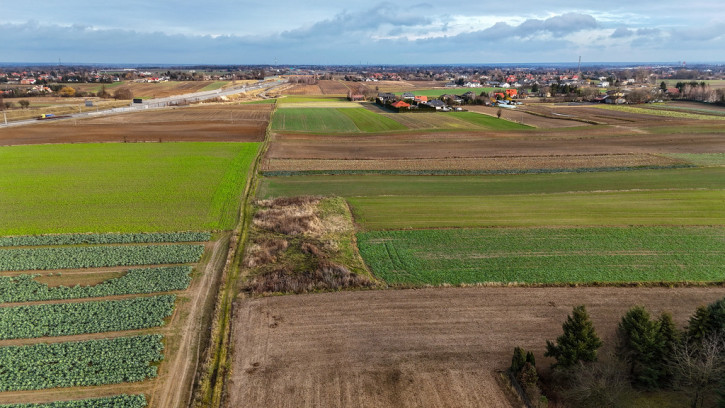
661, 112
67, 319
25, 287
618, 208
97, 256
118, 401
89, 239
367, 121
546, 255
82, 363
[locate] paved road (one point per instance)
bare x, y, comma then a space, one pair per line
162, 102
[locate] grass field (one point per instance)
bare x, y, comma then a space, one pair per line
122, 187
368, 121
545, 255
214, 86
307, 99
700, 159
488, 122
331, 120
669, 207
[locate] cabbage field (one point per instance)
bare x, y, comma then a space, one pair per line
24, 288
115, 238
81, 363
18, 259
118, 401
66, 319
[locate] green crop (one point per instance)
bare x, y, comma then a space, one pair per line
23, 288
66, 319
17, 259
117, 401
546, 255
74, 239
81, 363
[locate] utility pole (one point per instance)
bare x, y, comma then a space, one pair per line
5, 117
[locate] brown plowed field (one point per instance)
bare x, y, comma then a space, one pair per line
519, 115
218, 123
591, 141
333, 87
482, 163
413, 348
302, 89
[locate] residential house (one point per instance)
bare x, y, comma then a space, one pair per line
408, 96
437, 104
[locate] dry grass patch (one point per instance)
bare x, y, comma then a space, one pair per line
303, 244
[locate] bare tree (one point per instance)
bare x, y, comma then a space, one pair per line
601, 384
697, 367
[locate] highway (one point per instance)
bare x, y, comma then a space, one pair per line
159, 102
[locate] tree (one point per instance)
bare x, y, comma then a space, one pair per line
498, 113
641, 347
2, 103
663, 86
578, 343
24, 103
535, 88
123, 93
67, 91
598, 385
698, 325
699, 367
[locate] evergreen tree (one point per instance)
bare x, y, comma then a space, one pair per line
663, 86
698, 325
670, 339
578, 343
518, 360
640, 345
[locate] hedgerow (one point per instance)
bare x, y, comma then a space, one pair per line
23, 288
16, 259
65, 319
81, 363
74, 239
117, 401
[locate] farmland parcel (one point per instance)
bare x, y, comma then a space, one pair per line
122, 187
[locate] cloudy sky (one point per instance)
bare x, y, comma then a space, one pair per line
343, 32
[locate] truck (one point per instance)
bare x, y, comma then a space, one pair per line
47, 116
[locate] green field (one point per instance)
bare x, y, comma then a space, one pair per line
332, 120
305, 99
368, 121
312, 120
488, 122
379, 185
213, 86
451, 91
671, 207
112, 187
700, 159
545, 255
692, 196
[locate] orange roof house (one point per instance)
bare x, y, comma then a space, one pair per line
400, 104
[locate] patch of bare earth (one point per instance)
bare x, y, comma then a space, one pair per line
222, 123
422, 145
413, 348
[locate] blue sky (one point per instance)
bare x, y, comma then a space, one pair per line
340, 32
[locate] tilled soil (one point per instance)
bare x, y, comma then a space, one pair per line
436, 347
599, 141
196, 124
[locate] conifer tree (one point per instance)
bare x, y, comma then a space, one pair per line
640, 345
579, 342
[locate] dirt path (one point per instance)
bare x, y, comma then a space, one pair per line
414, 348
178, 375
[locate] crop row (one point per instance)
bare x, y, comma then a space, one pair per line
65, 319
660, 112
117, 401
82, 363
24, 288
16, 259
111, 238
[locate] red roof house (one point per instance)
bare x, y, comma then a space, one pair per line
400, 105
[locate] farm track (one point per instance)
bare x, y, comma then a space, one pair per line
175, 391
410, 348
